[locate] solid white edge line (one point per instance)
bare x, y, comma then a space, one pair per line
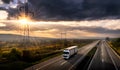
113, 51
93, 58
82, 57
111, 58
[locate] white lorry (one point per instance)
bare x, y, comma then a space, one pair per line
68, 52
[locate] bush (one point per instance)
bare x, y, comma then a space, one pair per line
6, 1
5, 55
116, 43
14, 55
27, 55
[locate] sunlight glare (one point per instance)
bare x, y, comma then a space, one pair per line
23, 21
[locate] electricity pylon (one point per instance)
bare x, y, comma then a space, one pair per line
26, 28
64, 38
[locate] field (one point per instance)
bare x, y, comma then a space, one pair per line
18, 55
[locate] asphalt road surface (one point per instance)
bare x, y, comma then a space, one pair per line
58, 63
105, 58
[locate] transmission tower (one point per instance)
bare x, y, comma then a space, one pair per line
64, 38
26, 28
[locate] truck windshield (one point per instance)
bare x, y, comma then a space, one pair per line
66, 52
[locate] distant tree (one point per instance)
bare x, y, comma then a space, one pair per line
107, 38
118, 40
14, 54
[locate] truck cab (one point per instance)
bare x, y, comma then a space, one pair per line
66, 54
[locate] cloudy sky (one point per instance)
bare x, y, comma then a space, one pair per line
78, 18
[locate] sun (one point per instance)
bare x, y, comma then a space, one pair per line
24, 21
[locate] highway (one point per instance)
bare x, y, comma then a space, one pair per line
58, 63
105, 58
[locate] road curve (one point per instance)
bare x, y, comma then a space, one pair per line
58, 63
105, 58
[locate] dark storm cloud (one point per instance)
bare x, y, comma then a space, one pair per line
76, 9
93, 29
72, 9
101, 30
6, 1
56, 9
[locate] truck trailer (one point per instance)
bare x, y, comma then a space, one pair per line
70, 51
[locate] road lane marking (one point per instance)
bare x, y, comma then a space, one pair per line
102, 60
48, 64
113, 51
93, 59
102, 53
63, 63
111, 58
88, 49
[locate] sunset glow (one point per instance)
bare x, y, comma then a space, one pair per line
75, 29
23, 21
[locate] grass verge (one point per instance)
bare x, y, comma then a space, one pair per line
116, 49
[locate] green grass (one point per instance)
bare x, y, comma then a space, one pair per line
116, 49
116, 45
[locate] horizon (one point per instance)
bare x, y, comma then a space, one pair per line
18, 35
